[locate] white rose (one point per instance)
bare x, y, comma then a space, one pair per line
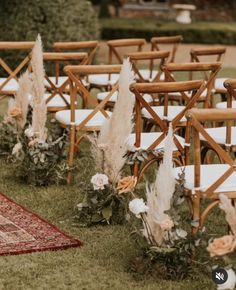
231, 281
181, 233
99, 180
17, 149
137, 206
29, 132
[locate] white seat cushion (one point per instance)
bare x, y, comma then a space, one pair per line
219, 135
113, 98
57, 100
219, 84
103, 79
223, 105
173, 111
148, 138
11, 85
64, 117
60, 81
209, 174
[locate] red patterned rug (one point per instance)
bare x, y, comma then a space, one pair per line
22, 231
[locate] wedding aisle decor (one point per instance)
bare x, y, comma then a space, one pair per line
15, 119
39, 152
159, 229
107, 196
222, 249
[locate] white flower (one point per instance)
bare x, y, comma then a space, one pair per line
181, 233
231, 281
99, 180
137, 206
17, 149
29, 132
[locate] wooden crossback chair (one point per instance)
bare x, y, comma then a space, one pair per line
84, 120
207, 180
152, 141
207, 55
225, 133
170, 43
57, 97
116, 51
9, 79
156, 75
207, 71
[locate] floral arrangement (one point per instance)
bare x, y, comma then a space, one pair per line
15, 119
223, 249
106, 200
38, 152
166, 247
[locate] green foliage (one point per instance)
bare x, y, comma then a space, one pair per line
104, 9
102, 207
8, 137
196, 32
58, 20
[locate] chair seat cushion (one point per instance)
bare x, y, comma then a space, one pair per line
148, 138
59, 81
209, 174
223, 105
173, 111
64, 117
188, 94
219, 84
113, 98
103, 79
57, 100
11, 85
219, 135
145, 73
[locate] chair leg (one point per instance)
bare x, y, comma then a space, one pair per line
71, 152
196, 211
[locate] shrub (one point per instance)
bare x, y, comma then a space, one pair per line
58, 20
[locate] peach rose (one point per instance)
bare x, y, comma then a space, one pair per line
126, 184
167, 224
222, 246
15, 112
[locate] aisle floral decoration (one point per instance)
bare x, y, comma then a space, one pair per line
15, 119
107, 196
39, 151
165, 245
222, 249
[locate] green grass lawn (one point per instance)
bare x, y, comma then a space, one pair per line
103, 261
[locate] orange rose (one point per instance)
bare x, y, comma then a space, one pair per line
222, 246
126, 184
15, 112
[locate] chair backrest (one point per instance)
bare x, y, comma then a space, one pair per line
12, 73
139, 59
118, 48
205, 71
207, 54
78, 46
230, 86
195, 119
54, 87
196, 87
77, 86
170, 43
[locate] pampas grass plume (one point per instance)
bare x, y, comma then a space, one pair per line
230, 212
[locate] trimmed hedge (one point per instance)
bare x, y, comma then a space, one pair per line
198, 32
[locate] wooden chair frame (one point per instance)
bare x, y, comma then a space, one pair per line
75, 74
150, 56
12, 73
173, 41
195, 119
165, 88
210, 71
53, 88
